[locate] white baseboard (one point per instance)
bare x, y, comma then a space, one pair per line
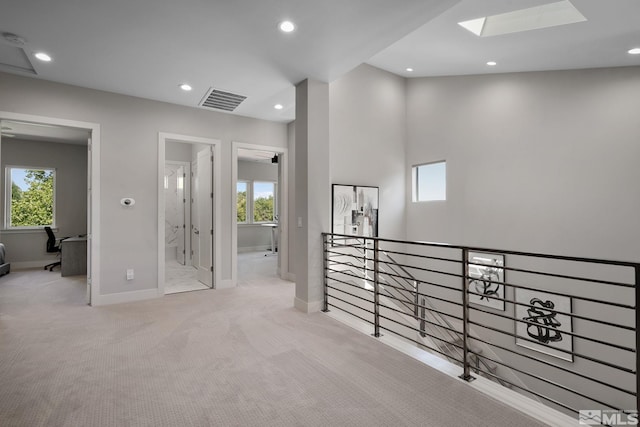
24, 265
123, 297
307, 307
226, 284
512, 398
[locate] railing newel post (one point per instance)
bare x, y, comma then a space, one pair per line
417, 297
466, 375
637, 305
376, 289
325, 305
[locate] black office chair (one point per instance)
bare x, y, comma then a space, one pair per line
53, 245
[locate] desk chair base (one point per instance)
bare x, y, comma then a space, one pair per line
52, 265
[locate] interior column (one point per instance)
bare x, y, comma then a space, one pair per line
312, 191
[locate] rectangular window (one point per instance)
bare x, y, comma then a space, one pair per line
241, 200
30, 197
429, 182
264, 195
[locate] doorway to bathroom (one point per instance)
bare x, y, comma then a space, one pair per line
187, 204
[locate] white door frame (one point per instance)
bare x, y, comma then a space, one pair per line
216, 144
283, 211
93, 188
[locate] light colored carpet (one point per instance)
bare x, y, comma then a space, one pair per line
234, 357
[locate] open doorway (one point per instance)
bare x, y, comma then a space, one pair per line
260, 237
51, 179
187, 211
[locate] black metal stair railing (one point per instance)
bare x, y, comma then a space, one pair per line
564, 329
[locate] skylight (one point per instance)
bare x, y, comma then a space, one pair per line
533, 18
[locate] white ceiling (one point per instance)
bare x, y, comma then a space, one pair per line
146, 48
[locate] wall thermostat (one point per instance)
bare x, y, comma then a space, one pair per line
127, 201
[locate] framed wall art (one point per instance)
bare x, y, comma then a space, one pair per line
355, 210
486, 275
545, 324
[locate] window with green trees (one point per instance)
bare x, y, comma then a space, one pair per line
241, 200
263, 201
30, 197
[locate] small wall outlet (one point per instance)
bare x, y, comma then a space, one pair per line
129, 273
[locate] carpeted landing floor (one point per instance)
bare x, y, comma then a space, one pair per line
236, 357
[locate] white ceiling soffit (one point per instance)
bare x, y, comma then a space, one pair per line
533, 18
43, 132
147, 48
443, 48
255, 155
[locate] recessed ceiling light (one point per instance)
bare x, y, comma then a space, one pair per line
278, 107
43, 57
287, 26
186, 87
410, 69
634, 51
492, 63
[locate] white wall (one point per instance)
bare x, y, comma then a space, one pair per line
254, 236
540, 162
129, 162
28, 248
367, 134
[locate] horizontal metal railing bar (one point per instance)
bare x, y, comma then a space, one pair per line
553, 365
350, 313
401, 291
406, 289
430, 283
352, 285
572, 315
332, 251
332, 255
348, 273
349, 303
448, 356
391, 258
351, 266
348, 293
387, 294
419, 319
550, 381
580, 355
526, 390
500, 251
428, 270
418, 330
560, 276
614, 304
428, 296
593, 300
573, 334
442, 313
559, 386
458, 261
329, 259
388, 283
553, 383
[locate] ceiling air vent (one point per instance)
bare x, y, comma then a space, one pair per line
221, 100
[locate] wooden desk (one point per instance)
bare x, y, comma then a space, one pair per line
73, 257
